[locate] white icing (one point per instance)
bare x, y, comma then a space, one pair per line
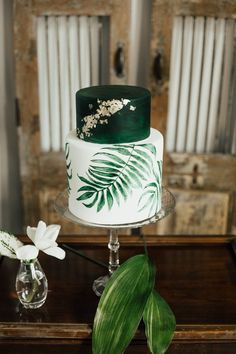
128, 210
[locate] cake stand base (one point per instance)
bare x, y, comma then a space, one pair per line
100, 284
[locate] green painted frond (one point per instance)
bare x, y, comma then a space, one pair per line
140, 174
69, 175
67, 150
120, 189
110, 200
140, 166
158, 171
107, 163
150, 198
108, 170
116, 171
115, 194
85, 195
101, 201
87, 182
142, 153
103, 173
68, 165
88, 188
92, 202
135, 179
150, 147
126, 151
98, 178
112, 157
147, 165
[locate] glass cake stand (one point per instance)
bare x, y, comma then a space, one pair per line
61, 206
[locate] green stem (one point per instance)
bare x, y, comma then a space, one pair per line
32, 293
144, 243
81, 254
35, 283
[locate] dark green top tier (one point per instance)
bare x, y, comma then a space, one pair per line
113, 114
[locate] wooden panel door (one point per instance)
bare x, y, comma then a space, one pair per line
204, 184
43, 174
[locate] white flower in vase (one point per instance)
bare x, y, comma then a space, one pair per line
31, 282
44, 239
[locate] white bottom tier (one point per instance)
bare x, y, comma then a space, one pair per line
114, 184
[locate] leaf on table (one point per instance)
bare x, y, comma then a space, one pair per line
159, 323
121, 306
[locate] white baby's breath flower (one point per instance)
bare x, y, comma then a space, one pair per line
44, 237
103, 111
9, 244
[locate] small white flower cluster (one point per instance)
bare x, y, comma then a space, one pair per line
105, 109
44, 239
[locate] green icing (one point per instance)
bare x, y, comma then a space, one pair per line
113, 114
115, 171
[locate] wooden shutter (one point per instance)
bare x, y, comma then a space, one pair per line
43, 171
202, 181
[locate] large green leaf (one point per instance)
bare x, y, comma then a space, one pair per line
159, 323
121, 306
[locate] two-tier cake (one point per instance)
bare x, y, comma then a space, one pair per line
113, 158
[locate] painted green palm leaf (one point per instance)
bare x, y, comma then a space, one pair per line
150, 198
152, 192
158, 172
159, 323
68, 165
114, 172
122, 304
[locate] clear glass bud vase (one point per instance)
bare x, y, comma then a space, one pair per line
31, 284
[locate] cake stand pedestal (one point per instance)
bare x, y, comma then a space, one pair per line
167, 206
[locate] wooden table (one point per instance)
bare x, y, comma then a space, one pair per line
196, 276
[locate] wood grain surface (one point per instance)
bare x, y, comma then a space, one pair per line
197, 280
